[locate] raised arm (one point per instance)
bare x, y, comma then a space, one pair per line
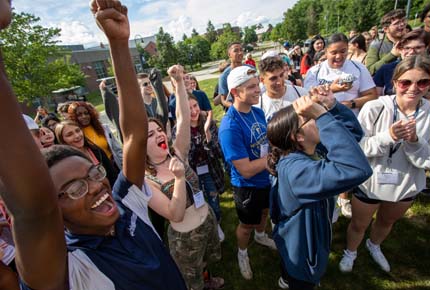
111, 17
162, 106
183, 131
29, 194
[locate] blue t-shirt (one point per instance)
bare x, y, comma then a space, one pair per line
383, 77
202, 99
222, 82
134, 258
241, 136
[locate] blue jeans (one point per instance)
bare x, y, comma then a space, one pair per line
207, 184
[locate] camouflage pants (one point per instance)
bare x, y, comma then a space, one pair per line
192, 250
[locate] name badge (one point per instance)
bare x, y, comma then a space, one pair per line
199, 199
170, 115
202, 169
264, 150
297, 67
388, 178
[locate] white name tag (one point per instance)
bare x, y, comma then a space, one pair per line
202, 169
297, 67
170, 115
199, 199
264, 150
388, 178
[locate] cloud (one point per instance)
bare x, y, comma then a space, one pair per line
76, 32
146, 16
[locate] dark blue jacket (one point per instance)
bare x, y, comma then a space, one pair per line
302, 200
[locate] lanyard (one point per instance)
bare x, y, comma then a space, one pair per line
393, 149
246, 124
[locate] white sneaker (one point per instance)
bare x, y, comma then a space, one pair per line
345, 207
265, 241
347, 262
245, 268
282, 283
378, 256
220, 234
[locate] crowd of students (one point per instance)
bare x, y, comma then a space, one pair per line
87, 207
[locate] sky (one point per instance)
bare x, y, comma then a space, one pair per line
146, 16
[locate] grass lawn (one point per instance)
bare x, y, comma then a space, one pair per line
406, 249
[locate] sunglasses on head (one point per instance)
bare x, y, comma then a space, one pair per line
405, 84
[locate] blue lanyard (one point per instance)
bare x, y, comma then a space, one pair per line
393, 149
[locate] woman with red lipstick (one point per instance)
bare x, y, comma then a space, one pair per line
69, 133
396, 144
193, 238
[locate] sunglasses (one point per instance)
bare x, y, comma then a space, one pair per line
405, 84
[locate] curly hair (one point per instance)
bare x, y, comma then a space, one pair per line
94, 115
270, 64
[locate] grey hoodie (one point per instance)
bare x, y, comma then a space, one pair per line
406, 167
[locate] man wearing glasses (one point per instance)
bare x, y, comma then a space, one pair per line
385, 51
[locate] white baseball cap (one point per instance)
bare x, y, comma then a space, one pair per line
270, 53
31, 125
239, 76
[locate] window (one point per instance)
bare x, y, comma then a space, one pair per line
100, 68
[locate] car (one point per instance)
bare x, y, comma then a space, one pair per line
76, 93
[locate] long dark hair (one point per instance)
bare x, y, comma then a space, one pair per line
311, 51
280, 132
360, 41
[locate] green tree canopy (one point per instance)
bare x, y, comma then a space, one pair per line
211, 34
250, 35
167, 52
219, 48
35, 64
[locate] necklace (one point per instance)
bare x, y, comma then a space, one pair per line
161, 162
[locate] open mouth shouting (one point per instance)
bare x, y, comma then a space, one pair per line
104, 205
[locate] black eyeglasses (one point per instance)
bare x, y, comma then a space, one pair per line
303, 124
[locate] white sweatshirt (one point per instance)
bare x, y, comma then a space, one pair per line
403, 175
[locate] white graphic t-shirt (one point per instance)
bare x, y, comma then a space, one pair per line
271, 106
322, 74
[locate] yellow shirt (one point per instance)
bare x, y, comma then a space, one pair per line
99, 140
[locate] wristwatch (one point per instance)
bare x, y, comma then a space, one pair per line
353, 104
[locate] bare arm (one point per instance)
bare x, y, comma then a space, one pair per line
224, 101
30, 197
173, 209
183, 132
248, 168
364, 97
133, 120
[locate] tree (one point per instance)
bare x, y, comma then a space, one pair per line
250, 35
219, 48
167, 52
211, 35
35, 65
194, 33
184, 37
